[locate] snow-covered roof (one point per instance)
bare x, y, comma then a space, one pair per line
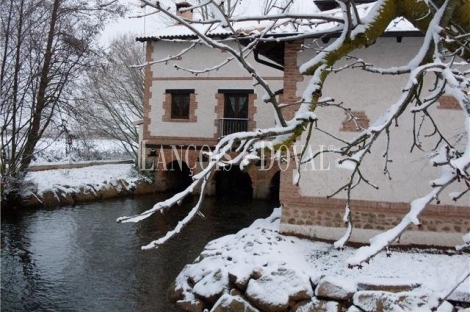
283, 27
181, 31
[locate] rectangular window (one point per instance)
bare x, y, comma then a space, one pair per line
236, 106
180, 106
180, 103
236, 117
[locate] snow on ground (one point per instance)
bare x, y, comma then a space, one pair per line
58, 151
260, 248
74, 178
78, 152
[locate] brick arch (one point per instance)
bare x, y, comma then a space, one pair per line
178, 175
167, 155
260, 176
275, 187
261, 179
233, 183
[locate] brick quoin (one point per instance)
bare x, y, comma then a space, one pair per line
148, 75
291, 77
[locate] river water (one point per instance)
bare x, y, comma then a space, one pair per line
78, 258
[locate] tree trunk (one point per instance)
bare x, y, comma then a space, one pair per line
41, 101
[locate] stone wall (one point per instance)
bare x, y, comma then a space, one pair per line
66, 195
328, 294
320, 217
249, 272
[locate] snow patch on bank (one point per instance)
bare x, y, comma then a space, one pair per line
274, 267
72, 179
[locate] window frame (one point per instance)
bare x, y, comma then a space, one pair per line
180, 103
169, 109
236, 110
222, 98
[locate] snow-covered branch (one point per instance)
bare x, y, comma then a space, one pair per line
353, 30
169, 57
249, 145
454, 170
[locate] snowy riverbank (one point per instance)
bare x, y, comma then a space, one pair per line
258, 269
83, 170
72, 185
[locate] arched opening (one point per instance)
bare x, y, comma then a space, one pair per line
178, 176
233, 184
274, 187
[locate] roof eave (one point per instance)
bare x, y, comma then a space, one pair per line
391, 33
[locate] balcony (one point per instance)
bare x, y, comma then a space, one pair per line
232, 125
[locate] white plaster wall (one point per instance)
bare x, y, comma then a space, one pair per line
410, 172
205, 85
363, 236
202, 57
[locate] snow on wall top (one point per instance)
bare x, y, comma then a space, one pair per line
283, 27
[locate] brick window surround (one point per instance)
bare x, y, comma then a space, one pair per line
448, 102
168, 99
362, 120
220, 107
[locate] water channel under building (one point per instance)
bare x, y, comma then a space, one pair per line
78, 258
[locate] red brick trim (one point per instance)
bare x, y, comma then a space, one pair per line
212, 78
362, 121
148, 74
252, 109
291, 77
219, 112
186, 141
448, 102
167, 109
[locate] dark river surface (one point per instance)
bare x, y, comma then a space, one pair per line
78, 258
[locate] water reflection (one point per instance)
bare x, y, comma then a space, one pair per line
79, 259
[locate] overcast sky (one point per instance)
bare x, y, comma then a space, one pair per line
145, 25
138, 26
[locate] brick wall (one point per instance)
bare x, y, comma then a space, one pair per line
291, 77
